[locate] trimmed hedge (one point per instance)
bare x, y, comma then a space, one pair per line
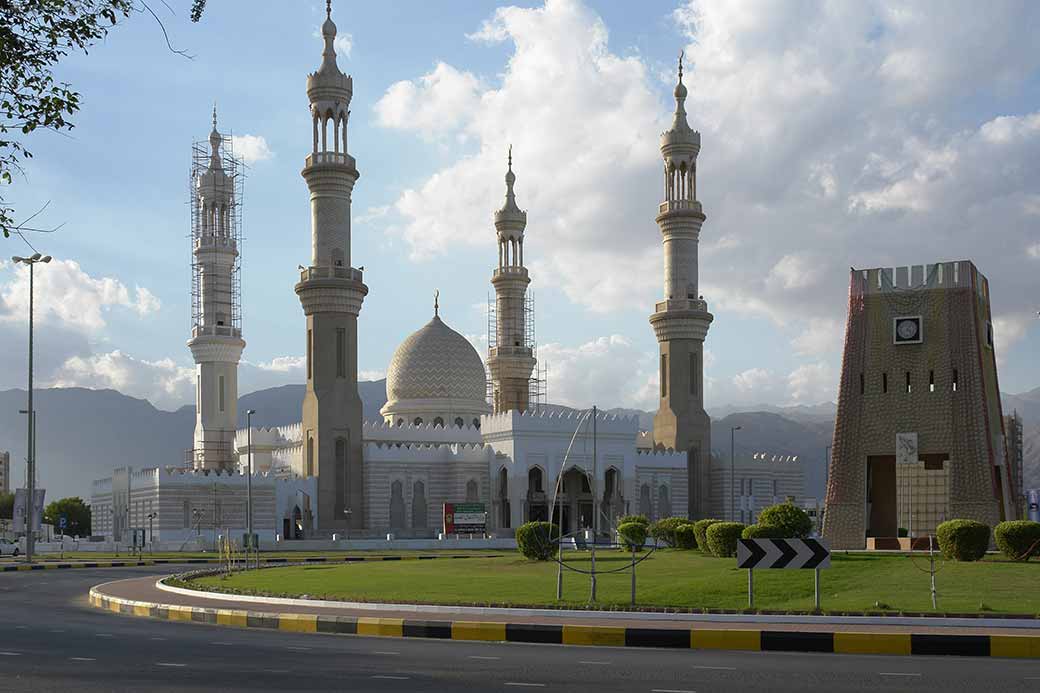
664, 530
1018, 539
537, 540
722, 538
700, 529
763, 532
685, 537
794, 522
963, 540
633, 534
639, 519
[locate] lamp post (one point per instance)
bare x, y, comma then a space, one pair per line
347, 512
151, 532
732, 446
249, 483
30, 453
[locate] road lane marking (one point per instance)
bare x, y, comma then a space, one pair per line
298, 649
671, 690
57, 630
10, 654
276, 671
391, 677
223, 642
82, 659
20, 627
170, 664
480, 657
156, 638
703, 666
529, 685
592, 661
897, 673
385, 652
103, 635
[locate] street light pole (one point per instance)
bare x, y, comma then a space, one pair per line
30, 452
732, 480
249, 483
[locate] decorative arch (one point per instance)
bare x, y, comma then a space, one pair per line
472, 491
664, 501
438, 422
459, 422
419, 519
397, 520
645, 506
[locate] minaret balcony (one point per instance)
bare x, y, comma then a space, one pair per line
510, 271
675, 304
330, 158
216, 241
524, 351
216, 331
676, 205
331, 273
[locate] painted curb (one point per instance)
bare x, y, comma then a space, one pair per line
1024, 646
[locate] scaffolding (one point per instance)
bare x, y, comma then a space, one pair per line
227, 232
538, 382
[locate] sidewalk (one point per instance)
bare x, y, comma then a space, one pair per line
141, 597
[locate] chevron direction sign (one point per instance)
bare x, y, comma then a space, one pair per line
783, 553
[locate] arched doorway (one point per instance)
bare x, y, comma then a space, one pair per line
537, 508
397, 519
574, 502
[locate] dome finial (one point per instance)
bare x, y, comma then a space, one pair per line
510, 157
436, 303
214, 115
328, 9
681, 54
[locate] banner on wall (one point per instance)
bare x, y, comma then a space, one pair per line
465, 518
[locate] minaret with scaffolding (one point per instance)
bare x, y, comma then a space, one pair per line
331, 293
216, 332
511, 355
681, 320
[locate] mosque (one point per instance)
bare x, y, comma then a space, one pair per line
446, 436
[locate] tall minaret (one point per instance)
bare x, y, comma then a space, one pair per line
331, 292
216, 335
681, 320
511, 360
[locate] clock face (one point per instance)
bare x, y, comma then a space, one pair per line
908, 330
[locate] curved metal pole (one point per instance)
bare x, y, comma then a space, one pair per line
556, 493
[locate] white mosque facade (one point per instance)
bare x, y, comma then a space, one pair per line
440, 441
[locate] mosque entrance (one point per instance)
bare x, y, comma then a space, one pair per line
575, 501
881, 496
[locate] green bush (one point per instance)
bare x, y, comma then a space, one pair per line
638, 519
722, 538
664, 530
1018, 539
763, 532
685, 537
700, 528
963, 540
537, 540
794, 522
633, 534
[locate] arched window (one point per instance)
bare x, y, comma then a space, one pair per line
341, 476
503, 495
418, 421
476, 423
471, 491
439, 422
400, 422
419, 505
534, 481
664, 503
310, 457
459, 422
397, 505
644, 501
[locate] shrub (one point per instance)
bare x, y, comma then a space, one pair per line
633, 534
794, 522
963, 540
685, 537
638, 519
537, 540
1018, 539
763, 532
722, 538
700, 528
664, 530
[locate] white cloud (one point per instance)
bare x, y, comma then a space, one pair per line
344, 43
820, 336
433, 104
164, 383
796, 271
812, 383
282, 364
753, 380
1009, 329
371, 375
65, 294
251, 148
1034, 250
606, 371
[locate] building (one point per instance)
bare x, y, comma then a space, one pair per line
918, 435
756, 482
1015, 453
5, 471
440, 440
682, 319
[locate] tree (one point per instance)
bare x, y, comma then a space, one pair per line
34, 36
6, 506
76, 512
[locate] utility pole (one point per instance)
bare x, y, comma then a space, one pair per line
732, 480
249, 487
595, 518
30, 447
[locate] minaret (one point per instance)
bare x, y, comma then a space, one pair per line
681, 320
511, 360
216, 335
331, 292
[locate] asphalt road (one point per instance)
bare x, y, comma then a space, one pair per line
51, 640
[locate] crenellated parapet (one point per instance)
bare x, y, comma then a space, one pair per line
376, 453
384, 432
961, 274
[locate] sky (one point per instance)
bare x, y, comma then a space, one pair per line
834, 135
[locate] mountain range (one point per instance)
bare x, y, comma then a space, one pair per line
84, 434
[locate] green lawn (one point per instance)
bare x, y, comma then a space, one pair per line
298, 555
684, 579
